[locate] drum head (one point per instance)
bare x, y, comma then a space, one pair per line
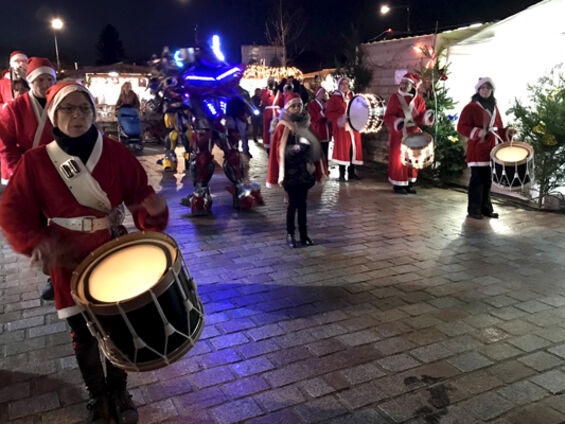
117, 272
512, 153
417, 140
358, 112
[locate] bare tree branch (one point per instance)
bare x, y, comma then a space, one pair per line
284, 28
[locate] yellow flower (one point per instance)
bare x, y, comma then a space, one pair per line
549, 140
540, 128
452, 138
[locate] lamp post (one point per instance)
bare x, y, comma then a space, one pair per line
56, 25
385, 9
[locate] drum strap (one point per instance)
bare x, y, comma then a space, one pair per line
40, 117
83, 186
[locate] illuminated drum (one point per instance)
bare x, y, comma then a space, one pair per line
365, 113
417, 150
512, 165
139, 301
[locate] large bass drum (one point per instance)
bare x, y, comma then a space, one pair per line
417, 150
365, 113
512, 165
139, 301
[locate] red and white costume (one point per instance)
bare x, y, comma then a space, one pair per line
272, 105
36, 189
24, 124
483, 130
404, 112
6, 94
345, 138
318, 121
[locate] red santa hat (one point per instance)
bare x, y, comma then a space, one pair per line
16, 55
412, 78
484, 80
293, 101
339, 81
57, 93
37, 66
320, 90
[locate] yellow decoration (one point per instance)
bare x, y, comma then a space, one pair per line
453, 139
261, 72
549, 140
540, 128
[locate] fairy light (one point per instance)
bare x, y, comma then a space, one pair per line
418, 157
261, 72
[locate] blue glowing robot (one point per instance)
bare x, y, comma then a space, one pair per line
198, 83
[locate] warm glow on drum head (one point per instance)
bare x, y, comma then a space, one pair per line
127, 273
511, 154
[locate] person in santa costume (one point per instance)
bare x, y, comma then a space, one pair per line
295, 163
16, 72
318, 121
405, 111
24, 122
481, 124
347, 151
104, 174
271, 102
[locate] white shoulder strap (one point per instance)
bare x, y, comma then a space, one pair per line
40, 117
84, 187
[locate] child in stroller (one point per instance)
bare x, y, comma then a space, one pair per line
129, 126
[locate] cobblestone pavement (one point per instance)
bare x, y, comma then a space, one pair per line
404, 312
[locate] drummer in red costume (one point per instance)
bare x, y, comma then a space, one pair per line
272, 103
347, 143
481, 124
78, 182
318, 121
16, 72
405, 110
24, 122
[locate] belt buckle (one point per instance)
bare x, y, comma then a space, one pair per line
88, 228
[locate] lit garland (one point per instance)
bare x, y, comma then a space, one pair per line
262, 72
417, 157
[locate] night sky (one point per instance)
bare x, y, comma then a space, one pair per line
146, 26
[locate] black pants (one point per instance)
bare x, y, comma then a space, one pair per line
325, 147
88, 358
351, 168
479, 191
297, 196
257, 125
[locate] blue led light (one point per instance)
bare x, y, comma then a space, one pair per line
223, 106
216, 48
199, 78
177, 59
227, 73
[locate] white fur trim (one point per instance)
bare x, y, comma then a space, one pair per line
16, 57
397, 123
412, 180
397, 183
429, 117
5, 181
340, 162
64, 92
475, 132
40, 71
68, 312
482, 81
470, 164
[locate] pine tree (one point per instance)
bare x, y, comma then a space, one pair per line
449, 158
109, 47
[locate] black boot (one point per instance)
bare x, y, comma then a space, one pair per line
48, 293
341, 173
99, 409
122, 407
399, 189
306, 241
291, 241
352, 175
410, 189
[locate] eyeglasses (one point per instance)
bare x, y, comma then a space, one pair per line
69, 110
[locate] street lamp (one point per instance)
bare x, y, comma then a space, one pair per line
385, 9
57, 25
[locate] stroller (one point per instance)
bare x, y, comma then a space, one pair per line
129, 128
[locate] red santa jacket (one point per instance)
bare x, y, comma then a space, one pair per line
36, 191
318, 121
395, 116
18, 125
345, 138
276, 167
481, 129
5, 88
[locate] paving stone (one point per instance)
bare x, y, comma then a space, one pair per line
554, 381
273, 400
470, 361
236, 411
535, 414
522, 392
541, 361
157, 412
212, 377
33, 405
431, 353
361, 395
477, 382
529, 343
500, 351
362, 416
316, 387
558, 350
279, 417
362, 373
399, 362
487, 406
510, 371
319, 410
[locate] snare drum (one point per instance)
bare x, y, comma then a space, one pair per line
512, 165
417, 150
365, 113
139, 301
